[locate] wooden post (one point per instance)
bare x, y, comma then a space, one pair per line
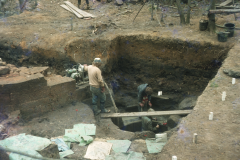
71, 24
180, 11
234, 13
152, 11
188, 12
159, 24
211, 23
161, 21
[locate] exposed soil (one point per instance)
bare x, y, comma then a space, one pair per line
179, 60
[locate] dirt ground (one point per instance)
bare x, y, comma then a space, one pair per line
47, 30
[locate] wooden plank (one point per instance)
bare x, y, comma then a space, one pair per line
72, 11
219, 11
65, 7
142, 114
226, 3
83, 13
228, 7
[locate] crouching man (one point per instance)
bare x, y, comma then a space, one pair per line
96, 86
147, 124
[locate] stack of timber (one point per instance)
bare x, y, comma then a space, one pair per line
78, 12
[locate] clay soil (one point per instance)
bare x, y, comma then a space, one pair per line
47, 28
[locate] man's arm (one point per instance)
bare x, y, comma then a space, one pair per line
85, 67
100, 79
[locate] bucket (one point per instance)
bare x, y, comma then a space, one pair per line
222, 36
230, 28
229, 25
161, 137
203, 25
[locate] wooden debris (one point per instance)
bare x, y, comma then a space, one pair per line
66, 7
226, 3
219, 11
227, 7
72, 11
83, 13
141, 114
127, 11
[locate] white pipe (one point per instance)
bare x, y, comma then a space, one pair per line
233, 80
174, 157
195, 138
211, 116
224, 95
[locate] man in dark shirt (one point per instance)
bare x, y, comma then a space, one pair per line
144, 97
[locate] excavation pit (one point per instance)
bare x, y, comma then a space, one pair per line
180, 69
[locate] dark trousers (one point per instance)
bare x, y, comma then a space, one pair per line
97, 94
79, 2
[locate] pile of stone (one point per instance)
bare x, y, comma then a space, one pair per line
4, 69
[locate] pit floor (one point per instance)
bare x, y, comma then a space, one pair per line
54, 123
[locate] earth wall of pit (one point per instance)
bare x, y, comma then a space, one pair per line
174, 65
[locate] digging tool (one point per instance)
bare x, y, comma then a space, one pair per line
116, 109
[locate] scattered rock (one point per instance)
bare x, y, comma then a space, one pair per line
2, 128
50, 152
188, 103
42, 119
4, 70
232, 73
173, 121
3, 63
